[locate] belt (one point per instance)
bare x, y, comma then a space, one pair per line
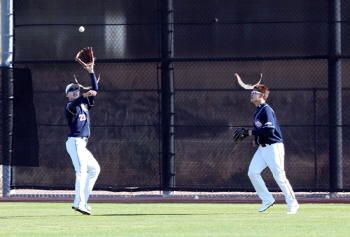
84, 138
265, 145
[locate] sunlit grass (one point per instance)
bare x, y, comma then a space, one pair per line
172, 219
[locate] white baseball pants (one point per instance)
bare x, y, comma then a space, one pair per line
273, 157
86, 169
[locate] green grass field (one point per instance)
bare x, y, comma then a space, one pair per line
172, 219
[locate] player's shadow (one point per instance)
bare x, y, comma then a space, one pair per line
172, 214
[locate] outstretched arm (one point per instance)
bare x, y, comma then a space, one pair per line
94, 88
90, 69
94, 83
86, 58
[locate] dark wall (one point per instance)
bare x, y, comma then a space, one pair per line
284, 40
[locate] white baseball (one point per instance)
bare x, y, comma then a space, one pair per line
81, 29
327, 197
196, 197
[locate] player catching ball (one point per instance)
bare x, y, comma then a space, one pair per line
77, 113
270, 153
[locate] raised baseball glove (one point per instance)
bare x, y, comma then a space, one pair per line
86, 57
239, 135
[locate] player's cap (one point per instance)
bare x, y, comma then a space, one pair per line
72, 85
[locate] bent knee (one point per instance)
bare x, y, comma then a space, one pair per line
94, 171
253, 174
98, 169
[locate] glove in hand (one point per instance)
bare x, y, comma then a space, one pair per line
86, 57
239, 135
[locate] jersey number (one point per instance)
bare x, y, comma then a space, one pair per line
82, 117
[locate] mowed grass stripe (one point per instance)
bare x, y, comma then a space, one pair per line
172, 219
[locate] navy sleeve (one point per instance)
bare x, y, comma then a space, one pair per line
94, 83
263, 132
75, 103
94, 86
267, 118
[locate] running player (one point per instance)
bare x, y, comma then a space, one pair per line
270, 153
86, 167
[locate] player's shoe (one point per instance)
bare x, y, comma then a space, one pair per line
265, 206
87, 208
83, 211
293, 209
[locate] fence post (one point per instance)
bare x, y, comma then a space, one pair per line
167, 93
335, 94
315, 137
7, 91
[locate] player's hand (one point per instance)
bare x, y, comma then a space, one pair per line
90, 93
86, 58
254, 144
90, 67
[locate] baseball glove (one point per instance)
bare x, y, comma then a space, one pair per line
86, 57
239, 135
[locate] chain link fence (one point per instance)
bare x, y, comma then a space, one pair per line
286, 41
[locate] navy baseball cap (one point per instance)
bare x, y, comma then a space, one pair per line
72, 85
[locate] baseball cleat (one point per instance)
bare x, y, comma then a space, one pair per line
83, 211
293, 210
87, 208
264, 207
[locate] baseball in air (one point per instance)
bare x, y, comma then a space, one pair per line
81, 29
196, 197
327, 197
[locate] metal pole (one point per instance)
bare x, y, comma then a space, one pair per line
335, 94
7, 90
167, 93
315, 138
6, 33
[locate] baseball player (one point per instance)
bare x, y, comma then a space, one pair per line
86, 167
270, 153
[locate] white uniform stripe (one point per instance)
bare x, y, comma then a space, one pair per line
69, 110
77, 187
